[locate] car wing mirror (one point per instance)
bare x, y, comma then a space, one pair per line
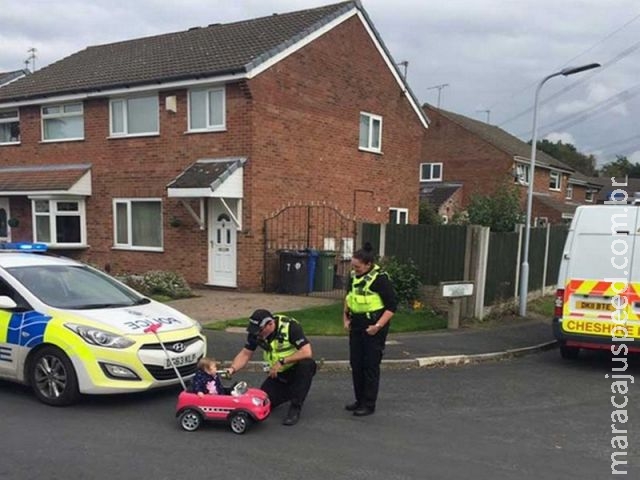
7, 303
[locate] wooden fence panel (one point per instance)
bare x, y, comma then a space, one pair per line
557, 237
501, 267
436, 250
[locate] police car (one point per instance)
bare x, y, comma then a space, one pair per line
68, 329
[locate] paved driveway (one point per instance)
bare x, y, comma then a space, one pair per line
213, 305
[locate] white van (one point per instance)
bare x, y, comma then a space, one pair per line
598, 298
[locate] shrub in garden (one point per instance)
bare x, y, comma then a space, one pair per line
405, 279
160, 283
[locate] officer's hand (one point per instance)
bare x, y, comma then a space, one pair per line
373, 329
275, 368
346, 321
228, 372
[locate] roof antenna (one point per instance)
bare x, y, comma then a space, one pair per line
31, 58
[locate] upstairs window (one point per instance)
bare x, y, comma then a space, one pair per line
569, 193
9, 126
138, 224
370, 132
207, 109
554, 181
588, 195
399, 216
430, 172
522, 174
59, 222
134, 116
63, 122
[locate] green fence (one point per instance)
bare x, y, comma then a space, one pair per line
502, 265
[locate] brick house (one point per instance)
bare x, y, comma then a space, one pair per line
169, 152
481, 158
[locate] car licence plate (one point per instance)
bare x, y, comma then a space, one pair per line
180, 361
596, 306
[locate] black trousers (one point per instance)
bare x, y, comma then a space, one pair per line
292, 384
365, 355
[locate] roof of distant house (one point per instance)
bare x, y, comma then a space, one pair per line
438, 193
502, 140
8, 77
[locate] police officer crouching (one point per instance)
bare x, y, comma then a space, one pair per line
288, 354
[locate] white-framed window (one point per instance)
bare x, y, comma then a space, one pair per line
370, 132
9, 126
134, 116
207, 109
522, 174
59, 221
431, 172
62, 122
554, 180
569, 193
399, 215
588, 195
137, 223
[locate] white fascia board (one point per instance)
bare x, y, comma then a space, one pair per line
154, 87
329, 26
190, 193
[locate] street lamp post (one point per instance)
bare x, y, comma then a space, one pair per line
524, 270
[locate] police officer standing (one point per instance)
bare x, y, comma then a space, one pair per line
288, 354
369, 305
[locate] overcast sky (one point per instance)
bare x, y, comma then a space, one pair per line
490, 53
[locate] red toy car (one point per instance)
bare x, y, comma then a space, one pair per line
241, 407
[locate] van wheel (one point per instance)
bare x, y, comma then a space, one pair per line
53, 378
569, 353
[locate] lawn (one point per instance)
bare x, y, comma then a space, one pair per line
327, 320
543, 305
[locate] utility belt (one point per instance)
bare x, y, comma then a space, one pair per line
365, 319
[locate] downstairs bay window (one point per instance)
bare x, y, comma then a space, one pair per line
59, 222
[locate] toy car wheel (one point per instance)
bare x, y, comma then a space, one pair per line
239, 422
190, 420
53, 378
569, 353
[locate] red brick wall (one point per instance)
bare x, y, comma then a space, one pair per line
466, 158
298, 125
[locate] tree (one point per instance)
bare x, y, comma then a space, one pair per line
567, 153
428, 214
500, 211
620, 167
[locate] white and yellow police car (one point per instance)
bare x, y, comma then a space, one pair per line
68, 329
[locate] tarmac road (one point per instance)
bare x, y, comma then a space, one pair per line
528, 418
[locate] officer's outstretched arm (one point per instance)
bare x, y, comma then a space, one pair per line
240, 360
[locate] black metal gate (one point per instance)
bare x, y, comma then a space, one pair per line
307, 250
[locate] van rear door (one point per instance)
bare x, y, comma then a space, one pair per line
599, 267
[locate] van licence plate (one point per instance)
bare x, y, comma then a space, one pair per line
607, 307
180, 361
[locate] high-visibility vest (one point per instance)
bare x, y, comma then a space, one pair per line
281, 346
360, 298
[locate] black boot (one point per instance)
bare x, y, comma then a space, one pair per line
293, 415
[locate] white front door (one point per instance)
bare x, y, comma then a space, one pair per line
5, 234
222, 246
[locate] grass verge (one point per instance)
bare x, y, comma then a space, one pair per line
327, 320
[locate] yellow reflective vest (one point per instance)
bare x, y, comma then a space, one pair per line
281, 347
360, 298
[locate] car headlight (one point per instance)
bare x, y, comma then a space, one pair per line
257, 401
101, 338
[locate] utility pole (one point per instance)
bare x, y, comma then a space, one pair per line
488, 112
439, 87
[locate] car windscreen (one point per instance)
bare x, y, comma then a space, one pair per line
74, 287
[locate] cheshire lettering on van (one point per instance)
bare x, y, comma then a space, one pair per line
620, 333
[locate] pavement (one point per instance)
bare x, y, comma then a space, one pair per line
472, 343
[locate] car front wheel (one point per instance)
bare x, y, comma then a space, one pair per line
190, 420
239, 422
53, 378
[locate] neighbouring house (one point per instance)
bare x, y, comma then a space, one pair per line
482, 158
8, 77
626, 189
210, 150
445, 198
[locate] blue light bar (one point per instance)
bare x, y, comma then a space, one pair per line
24, 246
